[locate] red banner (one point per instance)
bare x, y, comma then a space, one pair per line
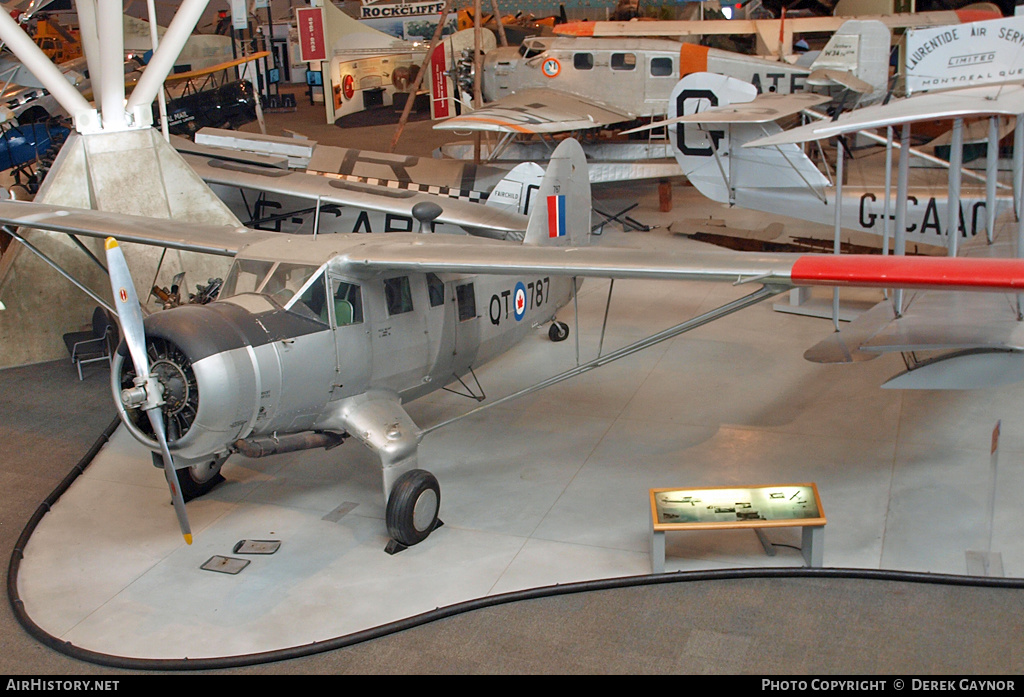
312, 41
440, 103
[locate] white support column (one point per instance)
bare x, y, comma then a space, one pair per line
991, 175
956, 157
44, 69
155, 39
90, 38
160, 64
110, 24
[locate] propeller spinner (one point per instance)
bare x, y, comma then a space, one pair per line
147, 392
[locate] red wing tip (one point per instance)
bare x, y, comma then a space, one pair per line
575, 29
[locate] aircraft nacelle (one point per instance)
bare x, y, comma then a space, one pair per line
212, 375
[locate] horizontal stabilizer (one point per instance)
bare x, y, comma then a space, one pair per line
764, 108
840, 78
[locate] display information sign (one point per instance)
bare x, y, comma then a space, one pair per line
736, 507
965, 55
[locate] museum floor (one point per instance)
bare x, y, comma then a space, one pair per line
550, 489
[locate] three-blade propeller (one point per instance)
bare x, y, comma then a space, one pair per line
147, 392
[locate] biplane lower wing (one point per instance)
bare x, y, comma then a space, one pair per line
328, 190
996, 99
536, 111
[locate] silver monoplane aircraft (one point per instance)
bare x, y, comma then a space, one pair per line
315, 340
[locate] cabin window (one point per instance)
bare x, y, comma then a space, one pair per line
583, 61
623, 61
245, 276
435, 290
661, 67
397, 295
348, 304
467, 301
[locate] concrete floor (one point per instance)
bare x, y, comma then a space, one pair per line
549, 489
545, 490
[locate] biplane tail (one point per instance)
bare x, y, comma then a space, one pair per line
560, 209
711, 153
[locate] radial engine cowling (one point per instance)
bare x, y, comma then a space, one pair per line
206, 366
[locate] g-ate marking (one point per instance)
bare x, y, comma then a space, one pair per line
524, 296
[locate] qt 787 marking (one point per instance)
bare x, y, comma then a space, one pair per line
516, 301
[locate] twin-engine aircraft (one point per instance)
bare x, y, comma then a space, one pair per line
315, 340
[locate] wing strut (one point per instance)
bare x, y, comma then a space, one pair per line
762, 293
56, 267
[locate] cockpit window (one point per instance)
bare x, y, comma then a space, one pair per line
529, 49
286, 280
312, 302
245, 276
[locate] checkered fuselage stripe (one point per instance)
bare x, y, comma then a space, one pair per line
461, 194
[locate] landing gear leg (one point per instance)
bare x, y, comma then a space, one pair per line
412, 509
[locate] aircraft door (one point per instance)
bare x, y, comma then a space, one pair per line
351, 339
398, 332
305, 350
440, 327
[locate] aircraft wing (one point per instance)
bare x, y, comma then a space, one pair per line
221, 240
451, 254
765, 27
998, 99
341, 192
536, 111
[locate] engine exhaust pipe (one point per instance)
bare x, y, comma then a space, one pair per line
273, 445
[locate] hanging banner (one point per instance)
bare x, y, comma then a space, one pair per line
239, 15
965, 55
312, 40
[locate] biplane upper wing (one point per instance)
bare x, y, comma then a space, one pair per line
765, 27
536, 111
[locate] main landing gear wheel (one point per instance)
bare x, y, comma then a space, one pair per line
200, 479
412, 509
558, 331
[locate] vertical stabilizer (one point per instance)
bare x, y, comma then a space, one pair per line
560, 209
859, 48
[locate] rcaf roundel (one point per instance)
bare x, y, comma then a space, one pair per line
519, 301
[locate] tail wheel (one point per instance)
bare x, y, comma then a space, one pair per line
413, 505
558, 331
